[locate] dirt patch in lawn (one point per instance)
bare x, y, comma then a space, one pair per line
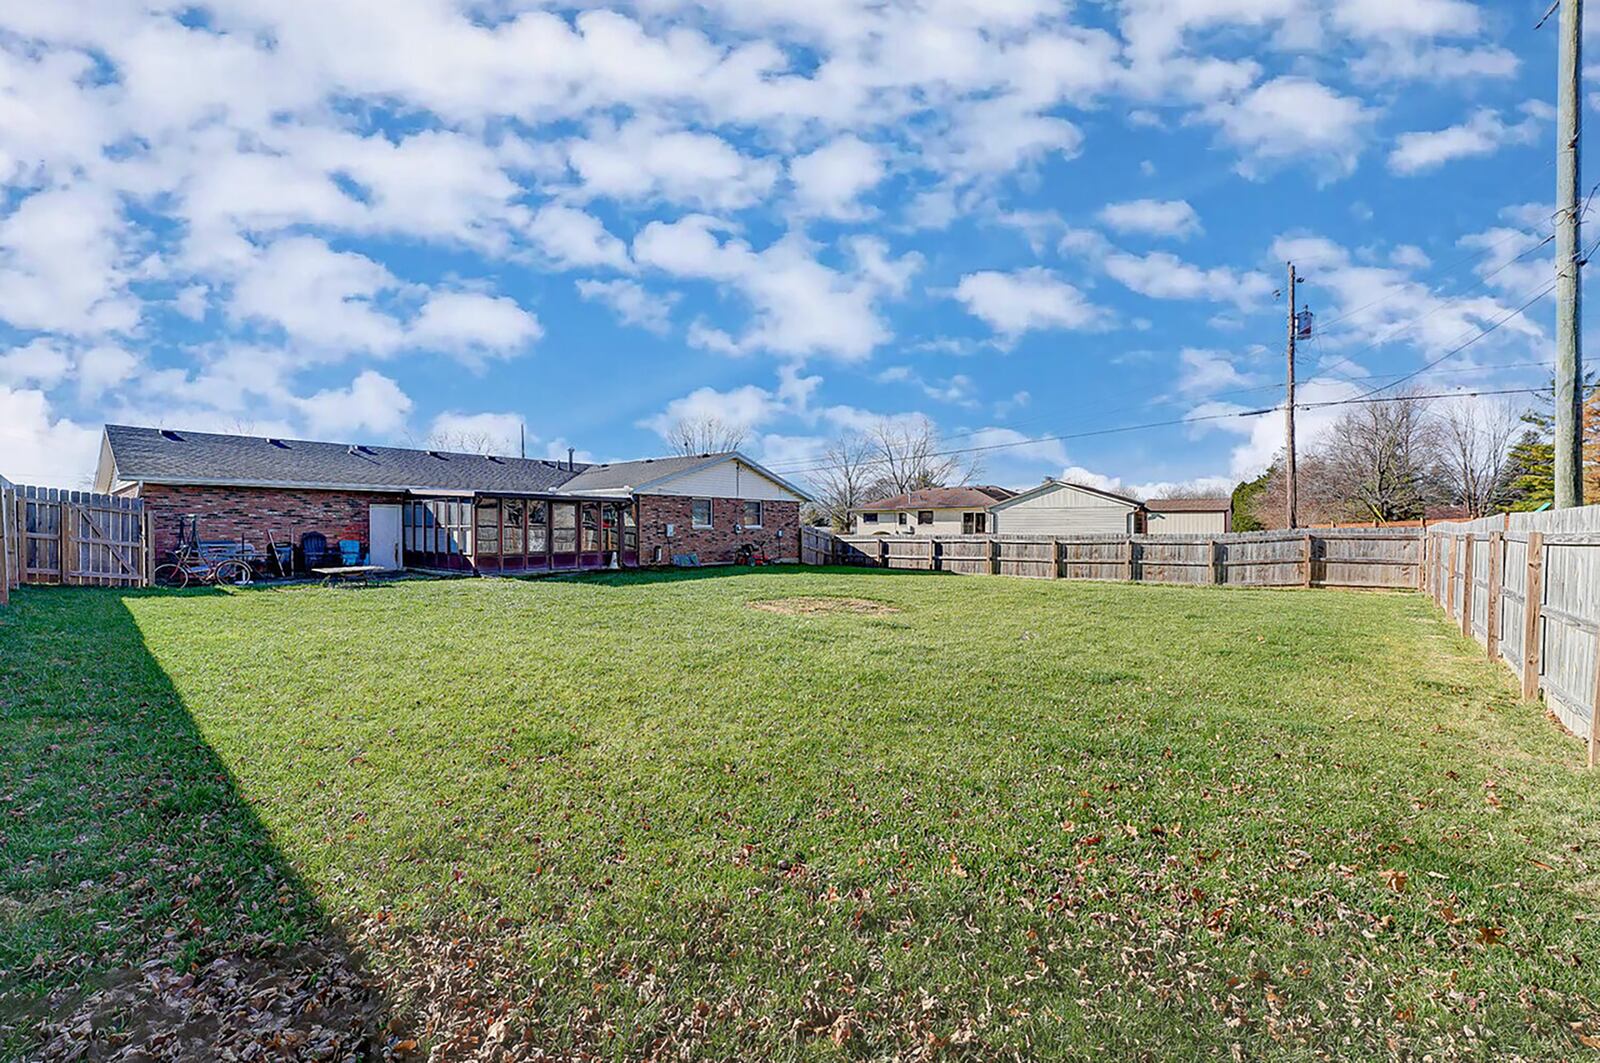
824, 606
308, 1002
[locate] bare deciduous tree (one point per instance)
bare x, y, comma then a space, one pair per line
463, 441
1381, 457
1318, 501
706, 434
846, 477
1475, 452
907, 456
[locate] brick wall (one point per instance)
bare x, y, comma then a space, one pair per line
715, 545
250, 512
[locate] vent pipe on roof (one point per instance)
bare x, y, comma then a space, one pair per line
571, 467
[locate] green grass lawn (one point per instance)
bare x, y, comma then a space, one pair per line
632, 815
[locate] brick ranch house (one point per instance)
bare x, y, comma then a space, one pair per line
462, 512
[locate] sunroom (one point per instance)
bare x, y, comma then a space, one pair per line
515, 533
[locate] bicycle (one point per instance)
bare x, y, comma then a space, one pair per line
190, 563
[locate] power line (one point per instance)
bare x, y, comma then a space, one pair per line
1205, 418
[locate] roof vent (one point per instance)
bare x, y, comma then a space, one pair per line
167, 433
436, 454
494, 459
280, 444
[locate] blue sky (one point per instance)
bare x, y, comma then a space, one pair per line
1015, 218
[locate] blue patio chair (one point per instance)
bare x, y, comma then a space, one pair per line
350, 552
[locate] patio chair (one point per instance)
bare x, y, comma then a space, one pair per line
350, 552
313, 549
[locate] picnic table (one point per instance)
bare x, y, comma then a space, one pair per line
345, 574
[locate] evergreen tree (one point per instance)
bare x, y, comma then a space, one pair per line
1246, 497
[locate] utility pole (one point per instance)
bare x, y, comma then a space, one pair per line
1292, 495
1569, 344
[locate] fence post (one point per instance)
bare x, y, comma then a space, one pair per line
1491, 622
1422, 560
935, 550
1468, 585
5, 546
1217, 568
1306, 580
1450, 579
64, 536
1594, 708
883, 552
1532, 606
148, 553
994, 557
1055, 559
1128, 559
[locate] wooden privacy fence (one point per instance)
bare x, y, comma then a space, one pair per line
1321, 557
74, 538
8, 540
1526, 586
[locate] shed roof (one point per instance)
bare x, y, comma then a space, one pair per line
156, 455
1051, 484
652, 472
1189, 505
941, 498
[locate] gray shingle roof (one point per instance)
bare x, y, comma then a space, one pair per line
202, 457
619, 475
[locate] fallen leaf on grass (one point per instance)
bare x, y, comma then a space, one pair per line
1396, 879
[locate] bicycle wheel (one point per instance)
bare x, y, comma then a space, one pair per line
174, 576
233, 574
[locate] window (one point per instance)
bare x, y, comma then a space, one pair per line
488, 529
902, 517
538, 535
752, 514
564, 527
513, 529
591, 528
869, 518
974, 523
700, 513
924, 516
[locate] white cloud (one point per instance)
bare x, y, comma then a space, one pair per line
1293, 119
573, 239
632, 303
502, 432
191, 301
41, 362
744, 408
1412, 18
1482, 134
1026, 300
1161, 275
60, 264
1203, 372
1152, 217
103, 367
38, 447
473, 325
319, 297
642, 161
372, 403
829, 181
801, 307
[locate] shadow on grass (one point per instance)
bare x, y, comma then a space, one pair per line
145, 905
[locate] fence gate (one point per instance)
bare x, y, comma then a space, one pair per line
816, 546
76, 538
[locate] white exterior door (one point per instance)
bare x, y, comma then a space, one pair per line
384, 536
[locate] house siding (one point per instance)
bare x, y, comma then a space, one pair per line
719, 543
730, 479
945, 522
1215, 523
249, 513
1064, 510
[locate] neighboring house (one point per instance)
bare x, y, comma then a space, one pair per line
932, 511
439, 510
1057, 507
1190, 516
